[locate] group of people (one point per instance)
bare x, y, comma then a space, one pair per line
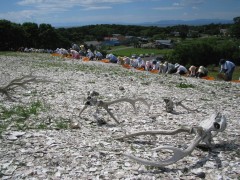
161, 66
227, 67
76, 52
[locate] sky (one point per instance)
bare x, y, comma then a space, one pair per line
87, 12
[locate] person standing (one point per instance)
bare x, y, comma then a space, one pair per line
227, 67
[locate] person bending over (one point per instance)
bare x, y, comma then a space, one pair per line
227, 67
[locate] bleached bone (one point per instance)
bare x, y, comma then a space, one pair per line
19, 82
92, 93
170, 105
204, 132
99, 119
93, 101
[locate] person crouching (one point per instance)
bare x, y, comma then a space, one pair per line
202, 72
227, 67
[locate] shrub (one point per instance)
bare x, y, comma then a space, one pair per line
205, 51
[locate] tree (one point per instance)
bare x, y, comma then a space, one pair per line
236, 20
183, 30
205, 51
47, 36
12, 36
31, 30
235, 28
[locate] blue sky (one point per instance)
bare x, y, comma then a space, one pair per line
84, 12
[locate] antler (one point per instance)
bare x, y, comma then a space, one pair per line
92, 101
19, 82
170, 105
131, 101
178, 153
216, 123
179, 103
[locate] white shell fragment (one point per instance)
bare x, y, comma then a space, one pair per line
55, 143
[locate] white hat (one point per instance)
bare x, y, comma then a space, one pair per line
201, 69
165, 63
176, 65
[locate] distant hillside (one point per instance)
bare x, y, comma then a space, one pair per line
195, 22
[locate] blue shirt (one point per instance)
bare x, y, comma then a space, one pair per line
112, 58
227, 66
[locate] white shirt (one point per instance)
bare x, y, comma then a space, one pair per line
90, 54
181, 68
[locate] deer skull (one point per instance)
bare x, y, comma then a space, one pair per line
204, 132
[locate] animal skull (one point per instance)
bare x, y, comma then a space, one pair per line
204, 132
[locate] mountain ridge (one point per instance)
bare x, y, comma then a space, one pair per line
161, 23
165, 23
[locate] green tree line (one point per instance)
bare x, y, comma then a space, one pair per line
198, 50
14, 36
206, 51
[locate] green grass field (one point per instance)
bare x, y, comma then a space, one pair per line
129, 51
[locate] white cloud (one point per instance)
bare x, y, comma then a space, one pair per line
49, 11
176, 4
29, 2
168, 8
97, 8
20, 16
55, 5
191, 2
69, 3
38, 10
